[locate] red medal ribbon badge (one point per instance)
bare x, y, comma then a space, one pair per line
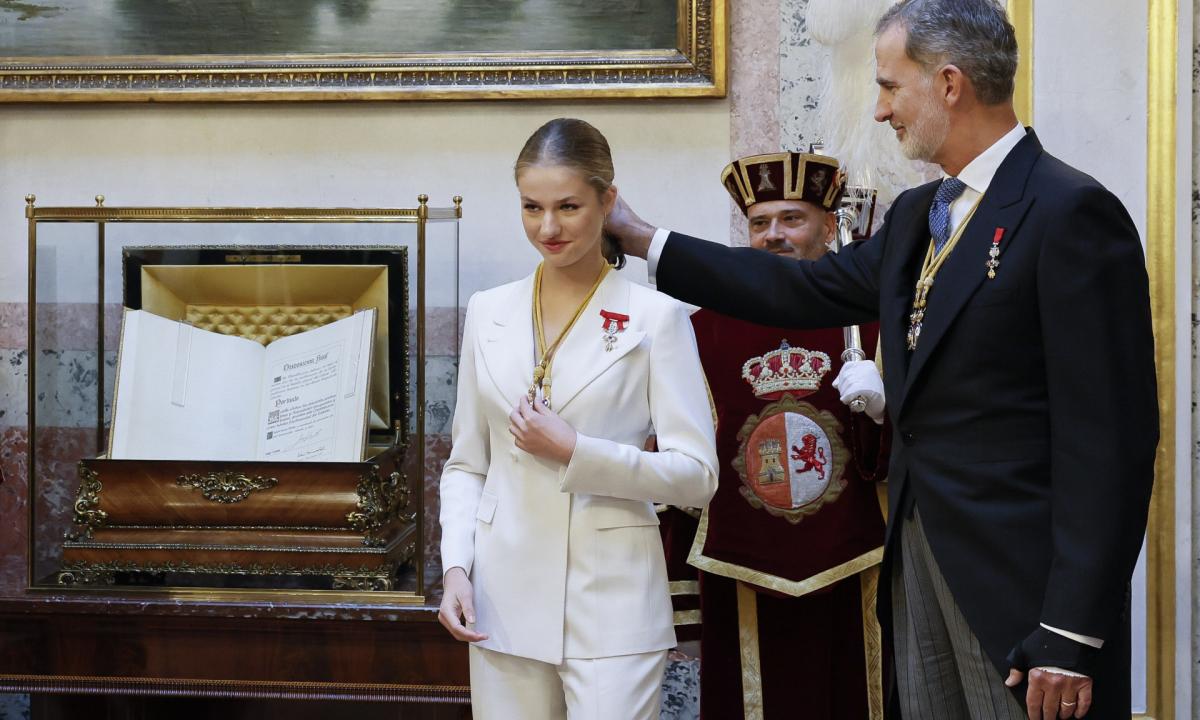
613, 323
618, 318
994, 254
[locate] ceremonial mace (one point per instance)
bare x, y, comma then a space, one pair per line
846, 217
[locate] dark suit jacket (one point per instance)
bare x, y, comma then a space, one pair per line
1025, 422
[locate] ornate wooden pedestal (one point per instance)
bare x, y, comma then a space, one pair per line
351, 525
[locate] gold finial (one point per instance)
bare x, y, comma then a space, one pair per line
423, 208
99, 201
458, 205
30, 199
422, 198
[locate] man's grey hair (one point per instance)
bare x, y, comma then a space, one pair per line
973, 35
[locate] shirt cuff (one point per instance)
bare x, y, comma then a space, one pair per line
655, 252
1060, 671
1085, 639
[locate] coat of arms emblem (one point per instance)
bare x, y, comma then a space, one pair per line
791, 459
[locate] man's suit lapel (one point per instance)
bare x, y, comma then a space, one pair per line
582, 357
507, 341
1003, 206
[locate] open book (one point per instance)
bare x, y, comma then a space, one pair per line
189, 394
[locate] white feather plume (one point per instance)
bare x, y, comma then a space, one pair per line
866, 149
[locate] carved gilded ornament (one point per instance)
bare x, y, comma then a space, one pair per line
343, 576
380, 501
226, 486
88, 515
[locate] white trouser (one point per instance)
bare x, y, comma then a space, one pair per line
625, 687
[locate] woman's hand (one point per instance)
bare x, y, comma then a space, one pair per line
458, 602
539, 431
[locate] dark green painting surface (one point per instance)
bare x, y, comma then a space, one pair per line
83, 28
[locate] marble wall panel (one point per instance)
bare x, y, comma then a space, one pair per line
754, 65
801, 64
437, 451
443, 330
66, 387
67, 326
441, 386
14, 396
13, 325
754, 71
14, 508
57, 452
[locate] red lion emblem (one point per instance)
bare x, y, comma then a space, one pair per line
812, 456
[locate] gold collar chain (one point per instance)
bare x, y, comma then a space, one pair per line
541, 371
929, 270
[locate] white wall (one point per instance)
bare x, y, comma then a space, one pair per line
668, 156
1090, 91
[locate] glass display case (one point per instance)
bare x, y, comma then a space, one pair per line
198, 519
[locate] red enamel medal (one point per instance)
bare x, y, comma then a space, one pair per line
614, 323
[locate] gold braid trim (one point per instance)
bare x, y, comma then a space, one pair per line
752, 695
794, 588
872, 642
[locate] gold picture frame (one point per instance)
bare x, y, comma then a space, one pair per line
694, 67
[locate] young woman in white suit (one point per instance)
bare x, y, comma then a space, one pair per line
554, 566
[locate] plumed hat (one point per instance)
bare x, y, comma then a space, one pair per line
785, 176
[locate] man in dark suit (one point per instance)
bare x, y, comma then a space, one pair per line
1018, 364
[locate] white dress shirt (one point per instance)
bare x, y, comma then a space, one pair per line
977, 176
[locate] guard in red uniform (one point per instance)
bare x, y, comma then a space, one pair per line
789, 547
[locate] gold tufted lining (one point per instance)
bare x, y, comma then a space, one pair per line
223, 297
263, 323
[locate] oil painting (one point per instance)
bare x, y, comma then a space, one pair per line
358, 49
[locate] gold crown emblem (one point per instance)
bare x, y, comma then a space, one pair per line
787, 369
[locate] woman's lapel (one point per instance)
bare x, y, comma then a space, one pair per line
506, 341
584, 354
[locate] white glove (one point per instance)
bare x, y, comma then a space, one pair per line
860, 379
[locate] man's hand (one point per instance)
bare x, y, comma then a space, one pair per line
860, 379
539, 431
628, 230
458, 602
1054, 694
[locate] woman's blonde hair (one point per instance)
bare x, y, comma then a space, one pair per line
575, 144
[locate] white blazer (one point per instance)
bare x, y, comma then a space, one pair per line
566, 561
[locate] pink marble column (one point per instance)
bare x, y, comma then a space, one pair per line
753, 89
14, 449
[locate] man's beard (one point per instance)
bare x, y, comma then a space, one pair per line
924, 137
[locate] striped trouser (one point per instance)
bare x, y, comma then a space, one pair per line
942, 673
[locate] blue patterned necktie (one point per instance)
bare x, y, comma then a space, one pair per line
939, 214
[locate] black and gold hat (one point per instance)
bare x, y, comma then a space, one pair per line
785, 176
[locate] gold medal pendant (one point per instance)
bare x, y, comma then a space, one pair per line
914, 328
917, 317
541, 371
929, 270
539, 374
